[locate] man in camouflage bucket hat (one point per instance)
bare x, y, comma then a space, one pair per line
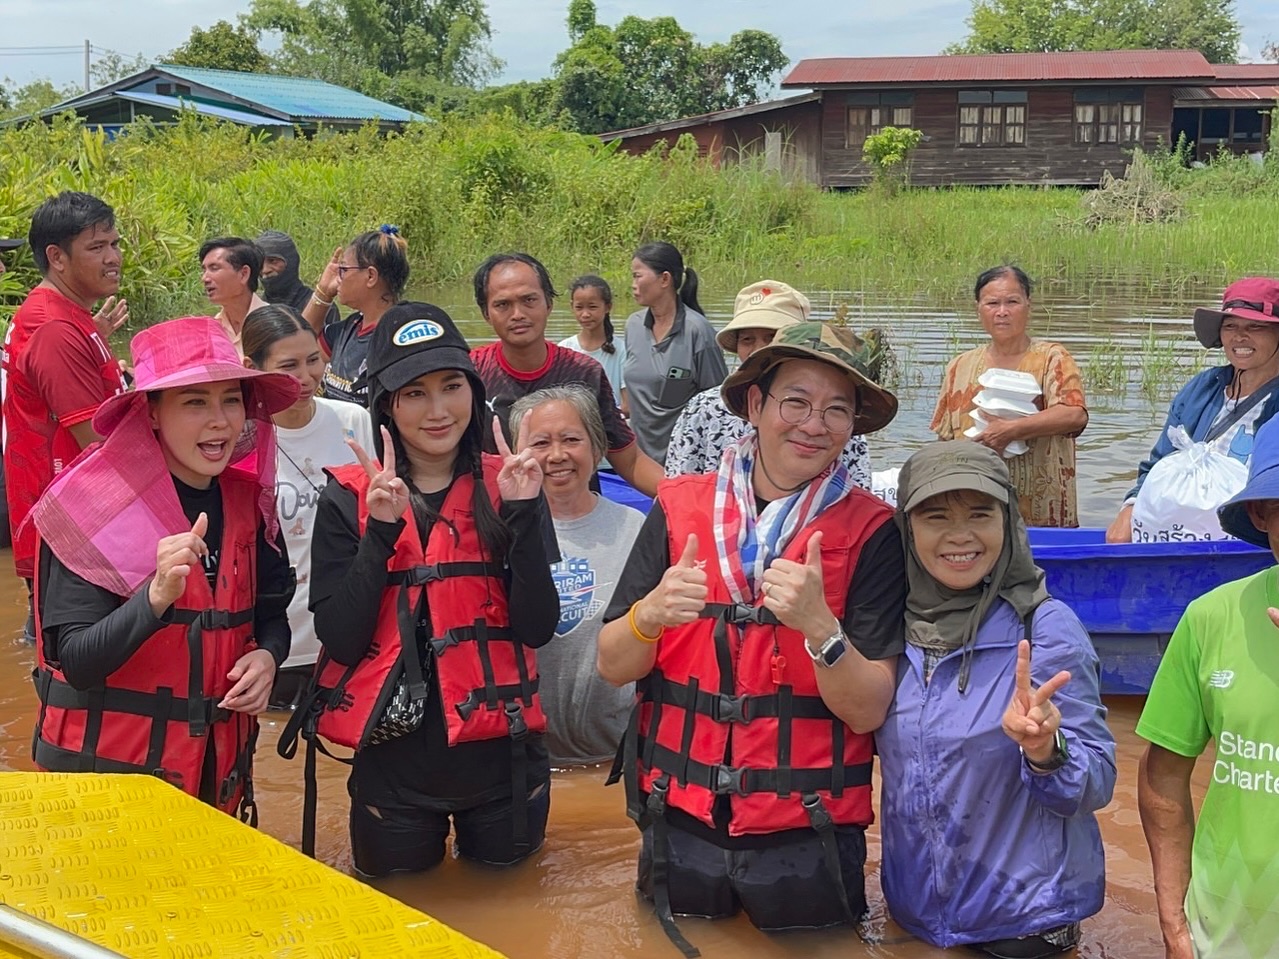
770, 593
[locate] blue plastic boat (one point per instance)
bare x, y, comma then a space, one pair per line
1129, 597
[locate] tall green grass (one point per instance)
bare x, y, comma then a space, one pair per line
461, 189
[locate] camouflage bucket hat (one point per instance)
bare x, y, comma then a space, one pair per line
840, 348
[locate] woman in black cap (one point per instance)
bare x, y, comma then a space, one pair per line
417, 559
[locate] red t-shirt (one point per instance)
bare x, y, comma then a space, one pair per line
504, 384
57, 370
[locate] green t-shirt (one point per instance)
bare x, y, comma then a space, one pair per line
1219, 679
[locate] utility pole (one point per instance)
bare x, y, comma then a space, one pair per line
87, 51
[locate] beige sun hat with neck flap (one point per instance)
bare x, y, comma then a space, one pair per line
766, 305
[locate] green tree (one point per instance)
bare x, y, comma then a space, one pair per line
1021, 26
221, 47
33, 97
1271, 51
412, 52
112, 66
646, 70
888, 155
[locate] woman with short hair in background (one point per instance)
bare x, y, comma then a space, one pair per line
585, 715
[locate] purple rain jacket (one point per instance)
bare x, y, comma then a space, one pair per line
976, 846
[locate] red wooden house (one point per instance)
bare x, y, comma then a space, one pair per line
1033, 118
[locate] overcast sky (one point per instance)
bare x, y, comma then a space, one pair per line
529, 33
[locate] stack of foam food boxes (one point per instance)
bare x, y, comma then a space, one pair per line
1005, 395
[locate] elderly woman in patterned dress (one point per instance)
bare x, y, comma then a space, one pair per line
1044, 476
706, 426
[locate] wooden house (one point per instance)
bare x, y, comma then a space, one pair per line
1033, 118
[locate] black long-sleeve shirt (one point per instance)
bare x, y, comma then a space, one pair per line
348, 574
90, 632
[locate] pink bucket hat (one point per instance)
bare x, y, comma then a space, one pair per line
1252, 298
104, 515
191, 350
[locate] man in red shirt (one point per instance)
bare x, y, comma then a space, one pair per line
515, 295
57, 366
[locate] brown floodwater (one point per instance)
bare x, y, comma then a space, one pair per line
575, 897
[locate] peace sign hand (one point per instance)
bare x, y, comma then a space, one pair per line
387, 496
521, 475
1031, 720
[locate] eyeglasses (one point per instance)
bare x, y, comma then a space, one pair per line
794, 410
343, 270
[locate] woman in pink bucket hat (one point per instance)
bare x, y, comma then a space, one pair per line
162, 586
1223, 405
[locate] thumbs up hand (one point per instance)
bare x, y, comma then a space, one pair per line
679, 598
796, 595
175, 558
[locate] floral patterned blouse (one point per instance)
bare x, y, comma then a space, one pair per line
1044, 476
706, 426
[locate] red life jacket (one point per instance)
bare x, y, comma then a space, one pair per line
487, 682
732, 706
158, 713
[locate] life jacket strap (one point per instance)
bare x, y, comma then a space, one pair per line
724, 780
655, 814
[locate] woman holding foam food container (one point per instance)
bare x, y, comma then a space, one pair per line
1022, 397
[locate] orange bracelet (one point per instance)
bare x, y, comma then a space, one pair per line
635, 631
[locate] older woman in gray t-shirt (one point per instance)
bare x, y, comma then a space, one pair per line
585, 715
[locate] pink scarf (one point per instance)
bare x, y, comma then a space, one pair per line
104, 515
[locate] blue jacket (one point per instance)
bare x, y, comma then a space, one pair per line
1195, 407
976, 846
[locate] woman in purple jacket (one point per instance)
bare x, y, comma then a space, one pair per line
995, 752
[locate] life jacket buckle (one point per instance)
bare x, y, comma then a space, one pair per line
421, 575
518, 728
732, 709
729, 781
215, 619
818, 815
170, 776
657, 790
228, 786
442, 643
468, 705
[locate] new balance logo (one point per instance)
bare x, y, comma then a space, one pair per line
1221, 678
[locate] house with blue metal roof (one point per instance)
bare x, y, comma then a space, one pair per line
268, 101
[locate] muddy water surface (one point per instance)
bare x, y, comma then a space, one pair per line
574, 898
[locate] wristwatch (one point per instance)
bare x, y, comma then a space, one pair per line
829, 652
1060, 756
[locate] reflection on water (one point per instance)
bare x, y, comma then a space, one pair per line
575, 898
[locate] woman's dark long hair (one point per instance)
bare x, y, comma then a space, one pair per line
266, 326
662, 257
495, 535
590, 281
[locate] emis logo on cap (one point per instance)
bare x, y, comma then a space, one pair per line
419, 331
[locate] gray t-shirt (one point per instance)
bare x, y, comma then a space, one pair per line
662, 377
585, 715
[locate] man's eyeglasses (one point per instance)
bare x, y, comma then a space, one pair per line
794, 410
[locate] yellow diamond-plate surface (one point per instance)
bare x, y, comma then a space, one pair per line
137, 866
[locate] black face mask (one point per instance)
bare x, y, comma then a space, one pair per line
282, 286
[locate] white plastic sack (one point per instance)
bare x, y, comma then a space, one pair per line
1179, 499
883, 483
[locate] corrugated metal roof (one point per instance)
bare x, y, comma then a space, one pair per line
1243, 72
1255, 91
206, 109
297, 97
1002, 68
766, 106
